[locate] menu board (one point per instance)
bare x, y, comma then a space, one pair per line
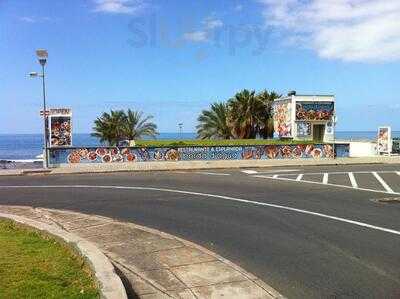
384, 140
60, 124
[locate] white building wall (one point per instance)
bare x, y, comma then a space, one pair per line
362, 149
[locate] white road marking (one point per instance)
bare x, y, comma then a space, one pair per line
249, 171
339, 219
325, 179
279, 171
299, 177
346, 172
353, 180
329, 184
268, 172
213, 173
383, 183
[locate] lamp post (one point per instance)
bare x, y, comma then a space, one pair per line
42, 58
334, 120
180, 125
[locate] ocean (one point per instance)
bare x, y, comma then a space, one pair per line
27, 146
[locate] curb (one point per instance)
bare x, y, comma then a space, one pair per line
175, 268
110, 284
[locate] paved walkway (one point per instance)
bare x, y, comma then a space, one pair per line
155, 264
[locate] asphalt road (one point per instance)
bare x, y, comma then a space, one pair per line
261, 220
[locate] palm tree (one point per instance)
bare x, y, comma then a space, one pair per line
213, 123
109, 127
117, 125
265, 117
244, 108
137, 126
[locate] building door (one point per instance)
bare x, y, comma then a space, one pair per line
318, 133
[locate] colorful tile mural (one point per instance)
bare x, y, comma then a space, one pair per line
282, 119
303, 129
314, 110
134, 154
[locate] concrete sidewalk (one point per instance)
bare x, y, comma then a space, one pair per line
196, 165
154, 264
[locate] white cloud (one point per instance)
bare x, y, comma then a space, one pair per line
196, 36
349, 30
212, 23
119, 6
28, 19
34, 19
202, 35
238, 7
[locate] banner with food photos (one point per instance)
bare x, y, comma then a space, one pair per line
384, 140
283, 119
60, 131
303, 129
198, 153
60, 127
315, 110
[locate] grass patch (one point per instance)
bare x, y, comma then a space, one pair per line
208, 142
33, 265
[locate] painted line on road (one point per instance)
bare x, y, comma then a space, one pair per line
250, 171
353, 180
329, 184
383, 183
301, 211
270, 172
278, 171
325, 179
344, 172
213, 173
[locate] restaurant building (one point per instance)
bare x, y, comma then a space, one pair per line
305, 117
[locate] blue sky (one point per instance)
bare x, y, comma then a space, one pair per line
172, 58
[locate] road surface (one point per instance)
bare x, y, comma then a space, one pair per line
309, 232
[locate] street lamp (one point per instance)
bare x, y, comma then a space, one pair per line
180, 125
334, 120
42, 55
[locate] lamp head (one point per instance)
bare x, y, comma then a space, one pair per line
41, 53
42, 56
